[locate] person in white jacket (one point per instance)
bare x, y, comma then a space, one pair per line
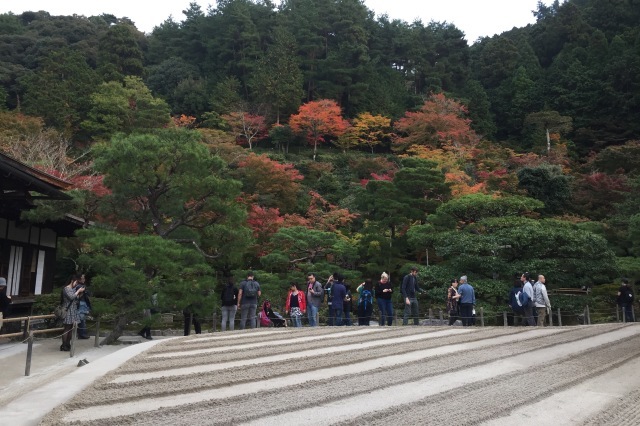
541, 300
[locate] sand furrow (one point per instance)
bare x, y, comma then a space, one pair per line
405, 378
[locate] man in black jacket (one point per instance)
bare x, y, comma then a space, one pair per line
625, 300
409, 296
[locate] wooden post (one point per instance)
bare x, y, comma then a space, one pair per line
481, 316
504, 318
73, 332
617, 314
214, 322
441, 318
27, 327
190, 322
588, 316
430, 316
96, 342
633, 314
27, 368
395, 317
624, 316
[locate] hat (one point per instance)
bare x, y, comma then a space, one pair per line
3, 282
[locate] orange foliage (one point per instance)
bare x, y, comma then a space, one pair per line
325, 216
461, 183
186, 121
440, 123
370, 130
317, 120
276, 184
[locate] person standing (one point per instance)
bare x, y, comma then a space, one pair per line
147, 315
467, 301
248, 300
625, 300
365, 302
295, 305
516, 308
190, 314
315, 294
528, 309
410, 291
452, 302
229, 307
384, 291
338, 293
347, 306
5, 299
69, 299
541, 300
327, 289
84, 308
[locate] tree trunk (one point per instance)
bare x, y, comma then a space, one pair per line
548, 142
118, 327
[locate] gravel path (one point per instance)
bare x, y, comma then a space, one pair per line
396, 375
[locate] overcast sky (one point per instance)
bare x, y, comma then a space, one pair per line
476, 18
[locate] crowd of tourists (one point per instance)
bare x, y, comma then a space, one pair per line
302, 304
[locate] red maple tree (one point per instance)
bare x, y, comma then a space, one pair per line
440, 123
247, 128
318, 120
275, 184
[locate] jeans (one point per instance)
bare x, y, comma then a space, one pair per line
248, 311
331, 317
82, 326
337, 320
229, 315
386, 311
347, 318
411, 310
296, 320
312, 313
466, 314
83, 311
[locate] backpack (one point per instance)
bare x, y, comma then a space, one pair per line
523, 299
366, 299
250, 289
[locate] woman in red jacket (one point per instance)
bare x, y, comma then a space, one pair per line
296, 305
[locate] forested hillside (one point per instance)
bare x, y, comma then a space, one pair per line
315, 137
